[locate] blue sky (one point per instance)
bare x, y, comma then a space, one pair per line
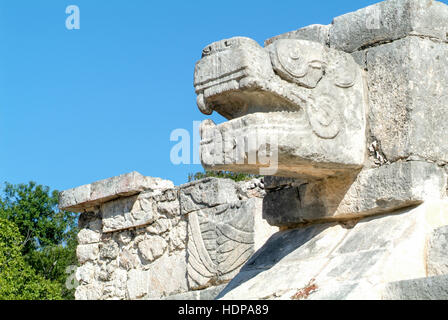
78, 106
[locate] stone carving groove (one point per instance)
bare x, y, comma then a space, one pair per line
220, 242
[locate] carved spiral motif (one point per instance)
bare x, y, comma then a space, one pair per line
291, 60
324, 118
301, 64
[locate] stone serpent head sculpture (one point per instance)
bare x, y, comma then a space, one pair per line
295, 108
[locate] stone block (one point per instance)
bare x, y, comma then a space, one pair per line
86, 236
152, 248
90, 195
437, 252
126, 213
373, 191
205, 193
87, 252
379, 23
167, 276
85, 274
387, 21
137, 284
88, 292
109, 250
251, 188
428, 288
408, 102
315, 32
127, 260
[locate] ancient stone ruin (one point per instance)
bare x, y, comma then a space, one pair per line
348, 124
144, 238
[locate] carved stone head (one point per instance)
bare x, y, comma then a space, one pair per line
295, 108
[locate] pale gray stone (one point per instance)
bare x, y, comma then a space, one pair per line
137, 284
86, 236
437, 252
430, 288
87, 252
169, 209
152, 248
407, 114
125, 237
105, 273
128, 260
178, 236
167, 276
159, 226
109, 250
85, 274
373, 191
251, 188
340, 291
205, 193
190, 295
125, 213
387, 21
84, 197
88, 292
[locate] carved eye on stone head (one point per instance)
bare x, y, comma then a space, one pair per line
292, 60
295, 54
299, 61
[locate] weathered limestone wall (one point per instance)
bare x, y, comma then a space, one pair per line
143, 238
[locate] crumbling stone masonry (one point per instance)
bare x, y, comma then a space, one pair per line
143, 238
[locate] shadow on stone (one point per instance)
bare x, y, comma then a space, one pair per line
277, 248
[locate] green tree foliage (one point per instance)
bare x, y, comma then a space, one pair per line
222, 174
18, 280
49, 235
